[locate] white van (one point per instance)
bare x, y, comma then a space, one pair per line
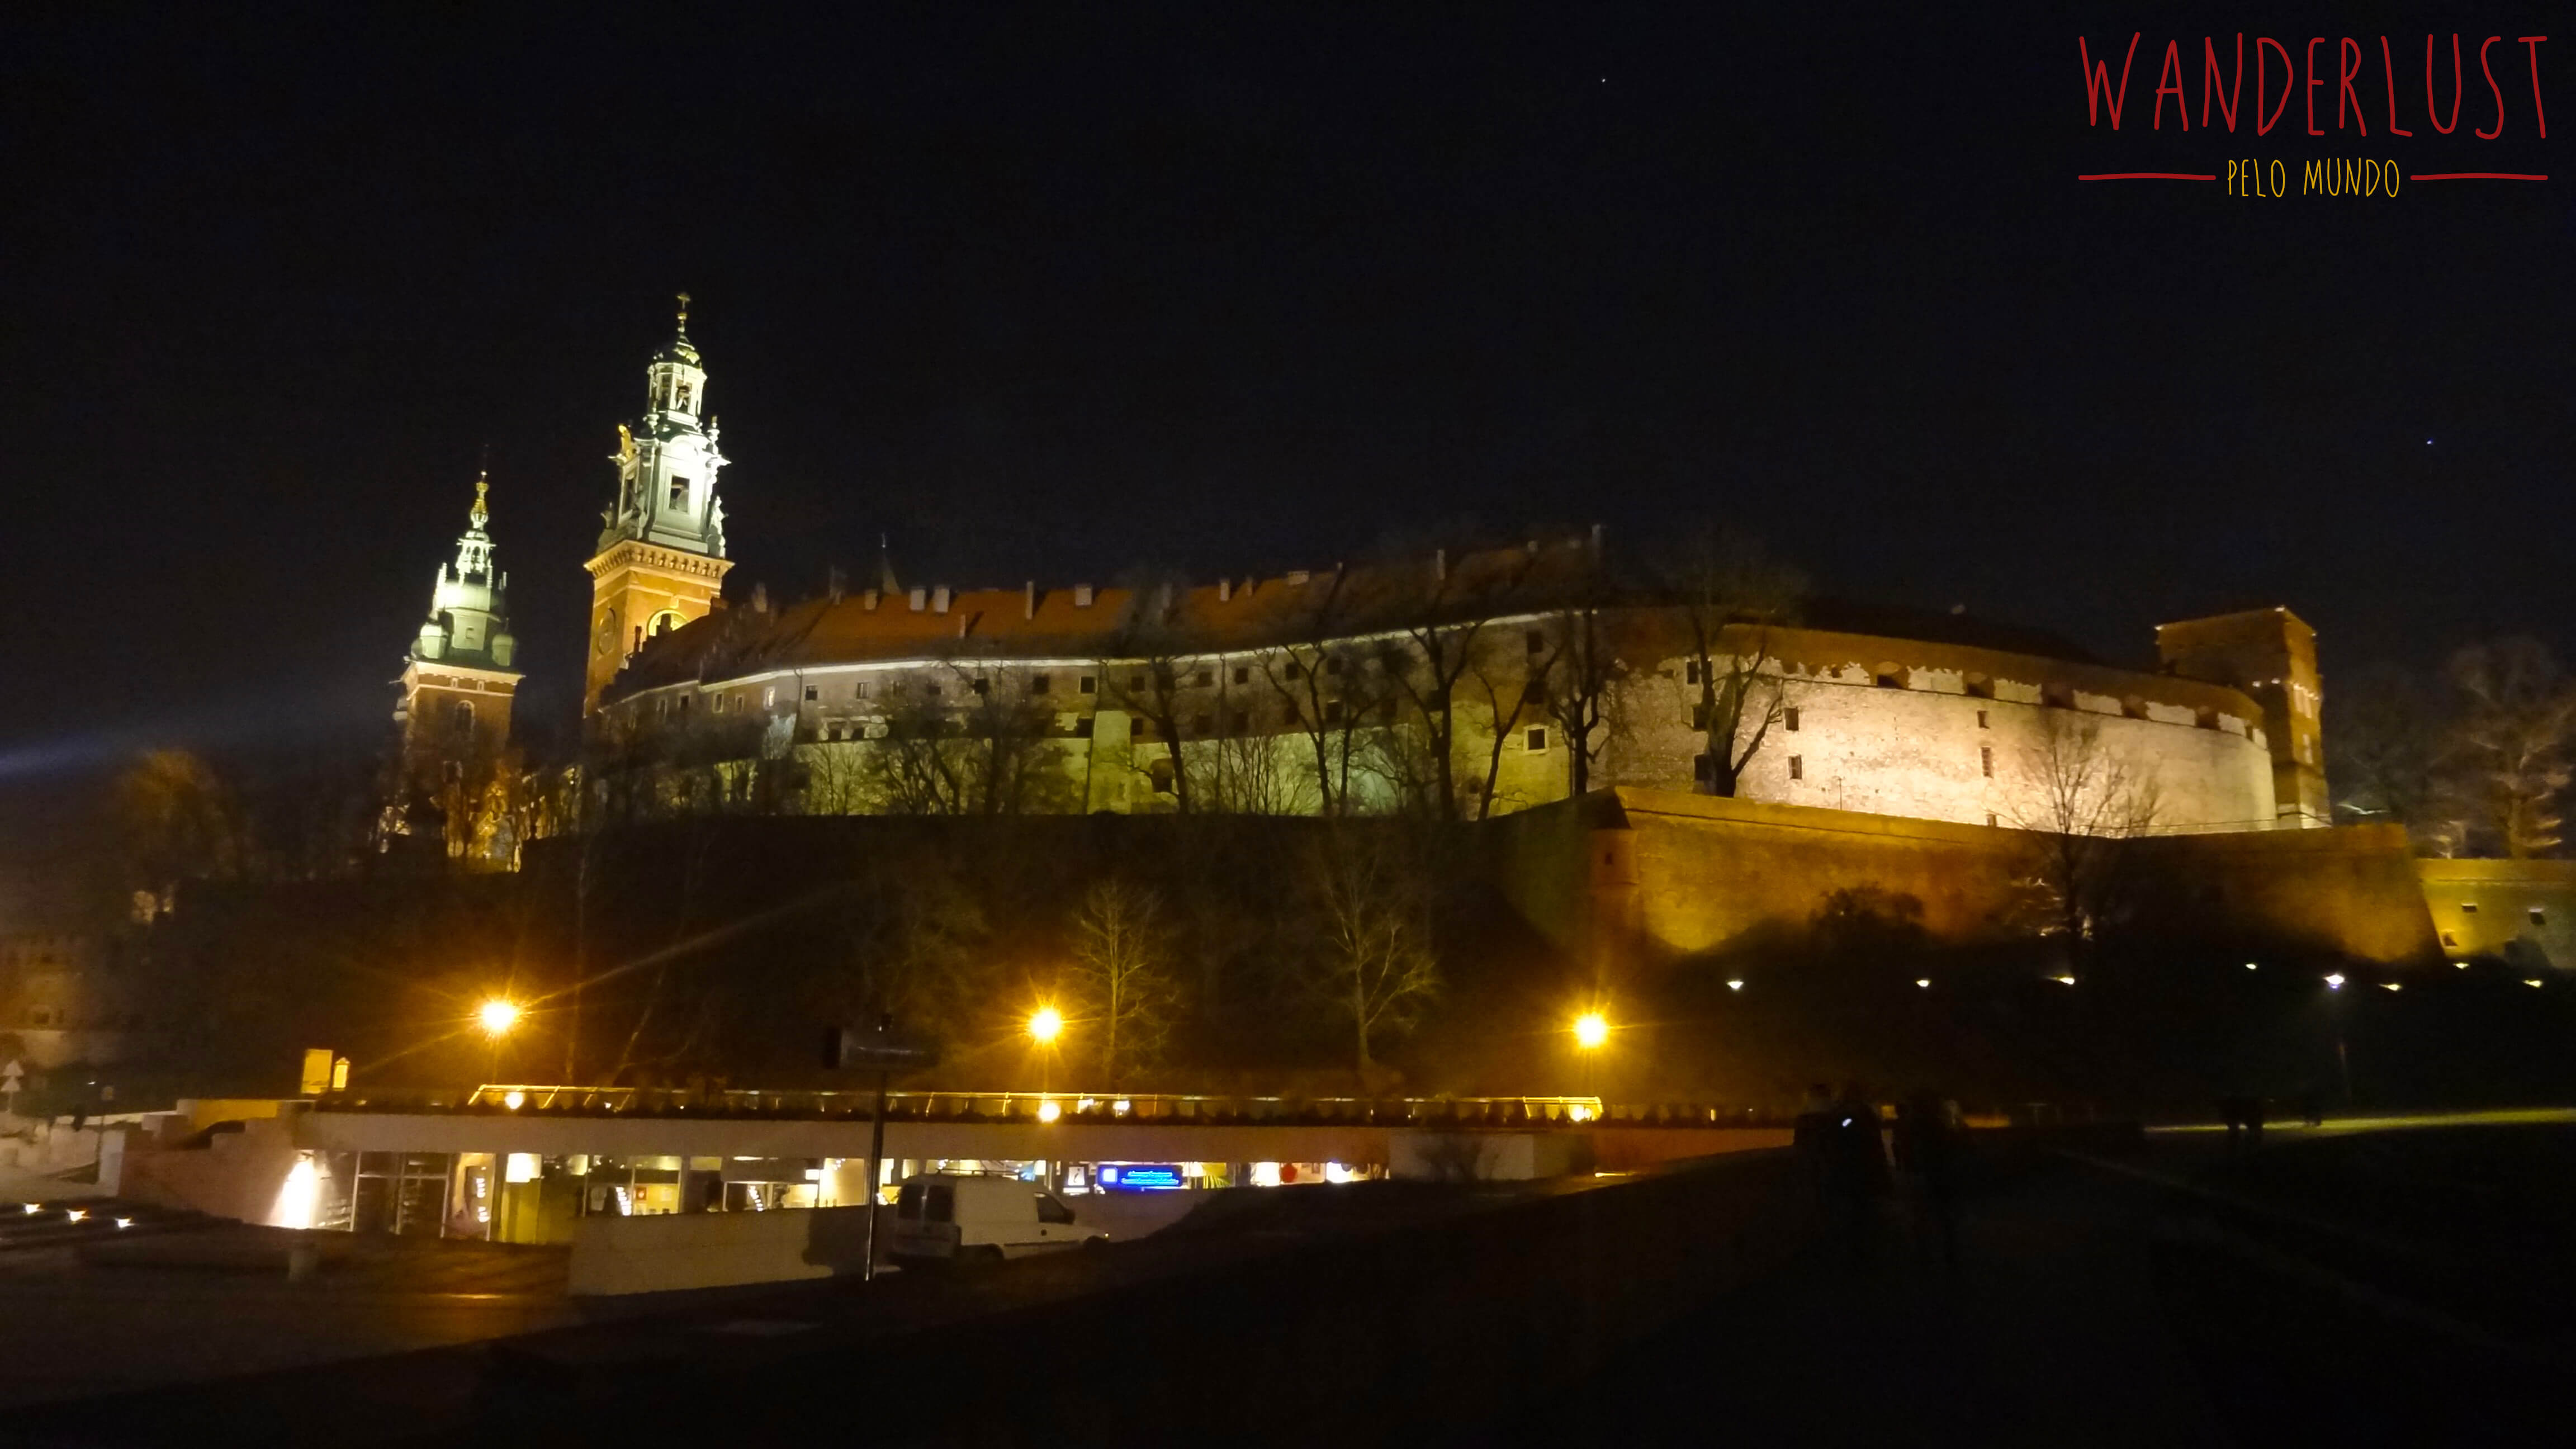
955, 1218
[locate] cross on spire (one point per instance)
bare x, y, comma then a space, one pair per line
684, 311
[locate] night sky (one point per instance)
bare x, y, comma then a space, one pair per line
1055, 292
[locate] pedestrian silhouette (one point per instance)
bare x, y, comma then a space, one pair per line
1927, 1160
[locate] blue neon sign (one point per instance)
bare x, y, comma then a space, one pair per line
1141, 1177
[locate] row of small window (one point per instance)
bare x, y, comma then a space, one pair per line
2538, 916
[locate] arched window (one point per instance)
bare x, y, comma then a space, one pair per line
666, 621
460, 716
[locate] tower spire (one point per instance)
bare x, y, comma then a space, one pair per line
684, 312
481, 513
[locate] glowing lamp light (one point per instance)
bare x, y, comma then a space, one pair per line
75, 1214
1045, 1025
2063, 980
1578, 1113
1924, 981
2253, 966
497, 1016
2526, 981
1049, 1111
34, 1208
1590, 1030
125, 1222
2390, 986
514, 1099
2334, 981
1735, 985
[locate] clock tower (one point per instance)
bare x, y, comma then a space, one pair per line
661, 559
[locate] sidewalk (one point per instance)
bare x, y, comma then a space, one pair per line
2049, 1333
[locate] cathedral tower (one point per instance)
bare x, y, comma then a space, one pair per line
661, 559
461, 676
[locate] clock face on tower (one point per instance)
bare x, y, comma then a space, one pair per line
605, 640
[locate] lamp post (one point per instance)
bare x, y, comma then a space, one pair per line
497, 1016
1591, 1033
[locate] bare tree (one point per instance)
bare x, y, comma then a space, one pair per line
1156, 677
1732, 595
2388, 738
1428, 662
1371, 890
2079, 798
1318, 681
1120, 974
1576, 685
174, 820
968, 744
2509, 747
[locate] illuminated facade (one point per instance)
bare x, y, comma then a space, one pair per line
1324, 690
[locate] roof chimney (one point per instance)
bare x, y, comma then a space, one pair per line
1440, 564
920, 597
1029, 599
939, 599
1225, 591
868, 601
1082, 596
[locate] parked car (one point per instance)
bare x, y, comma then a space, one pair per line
943, 1218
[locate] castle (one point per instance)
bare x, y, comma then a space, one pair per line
1470, 684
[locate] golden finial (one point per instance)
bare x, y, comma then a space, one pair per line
482, 486
684, 311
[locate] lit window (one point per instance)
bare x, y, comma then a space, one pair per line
1797, 767
769, 697
1538, 739
679, 492
1789, 718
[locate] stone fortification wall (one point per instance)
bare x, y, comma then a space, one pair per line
1669, 876
1942, 732
2523, 911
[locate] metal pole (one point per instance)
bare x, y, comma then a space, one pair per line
876, 1153
2343, 1060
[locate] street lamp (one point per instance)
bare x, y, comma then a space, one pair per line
1045, 1025
498, 1016
1591, 1030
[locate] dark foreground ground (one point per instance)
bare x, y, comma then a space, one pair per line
2407, 1286
2403, 1284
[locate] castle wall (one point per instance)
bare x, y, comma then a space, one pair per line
2521, 910
1664, 876
1929, 749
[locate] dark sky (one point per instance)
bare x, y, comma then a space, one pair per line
1051, 292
